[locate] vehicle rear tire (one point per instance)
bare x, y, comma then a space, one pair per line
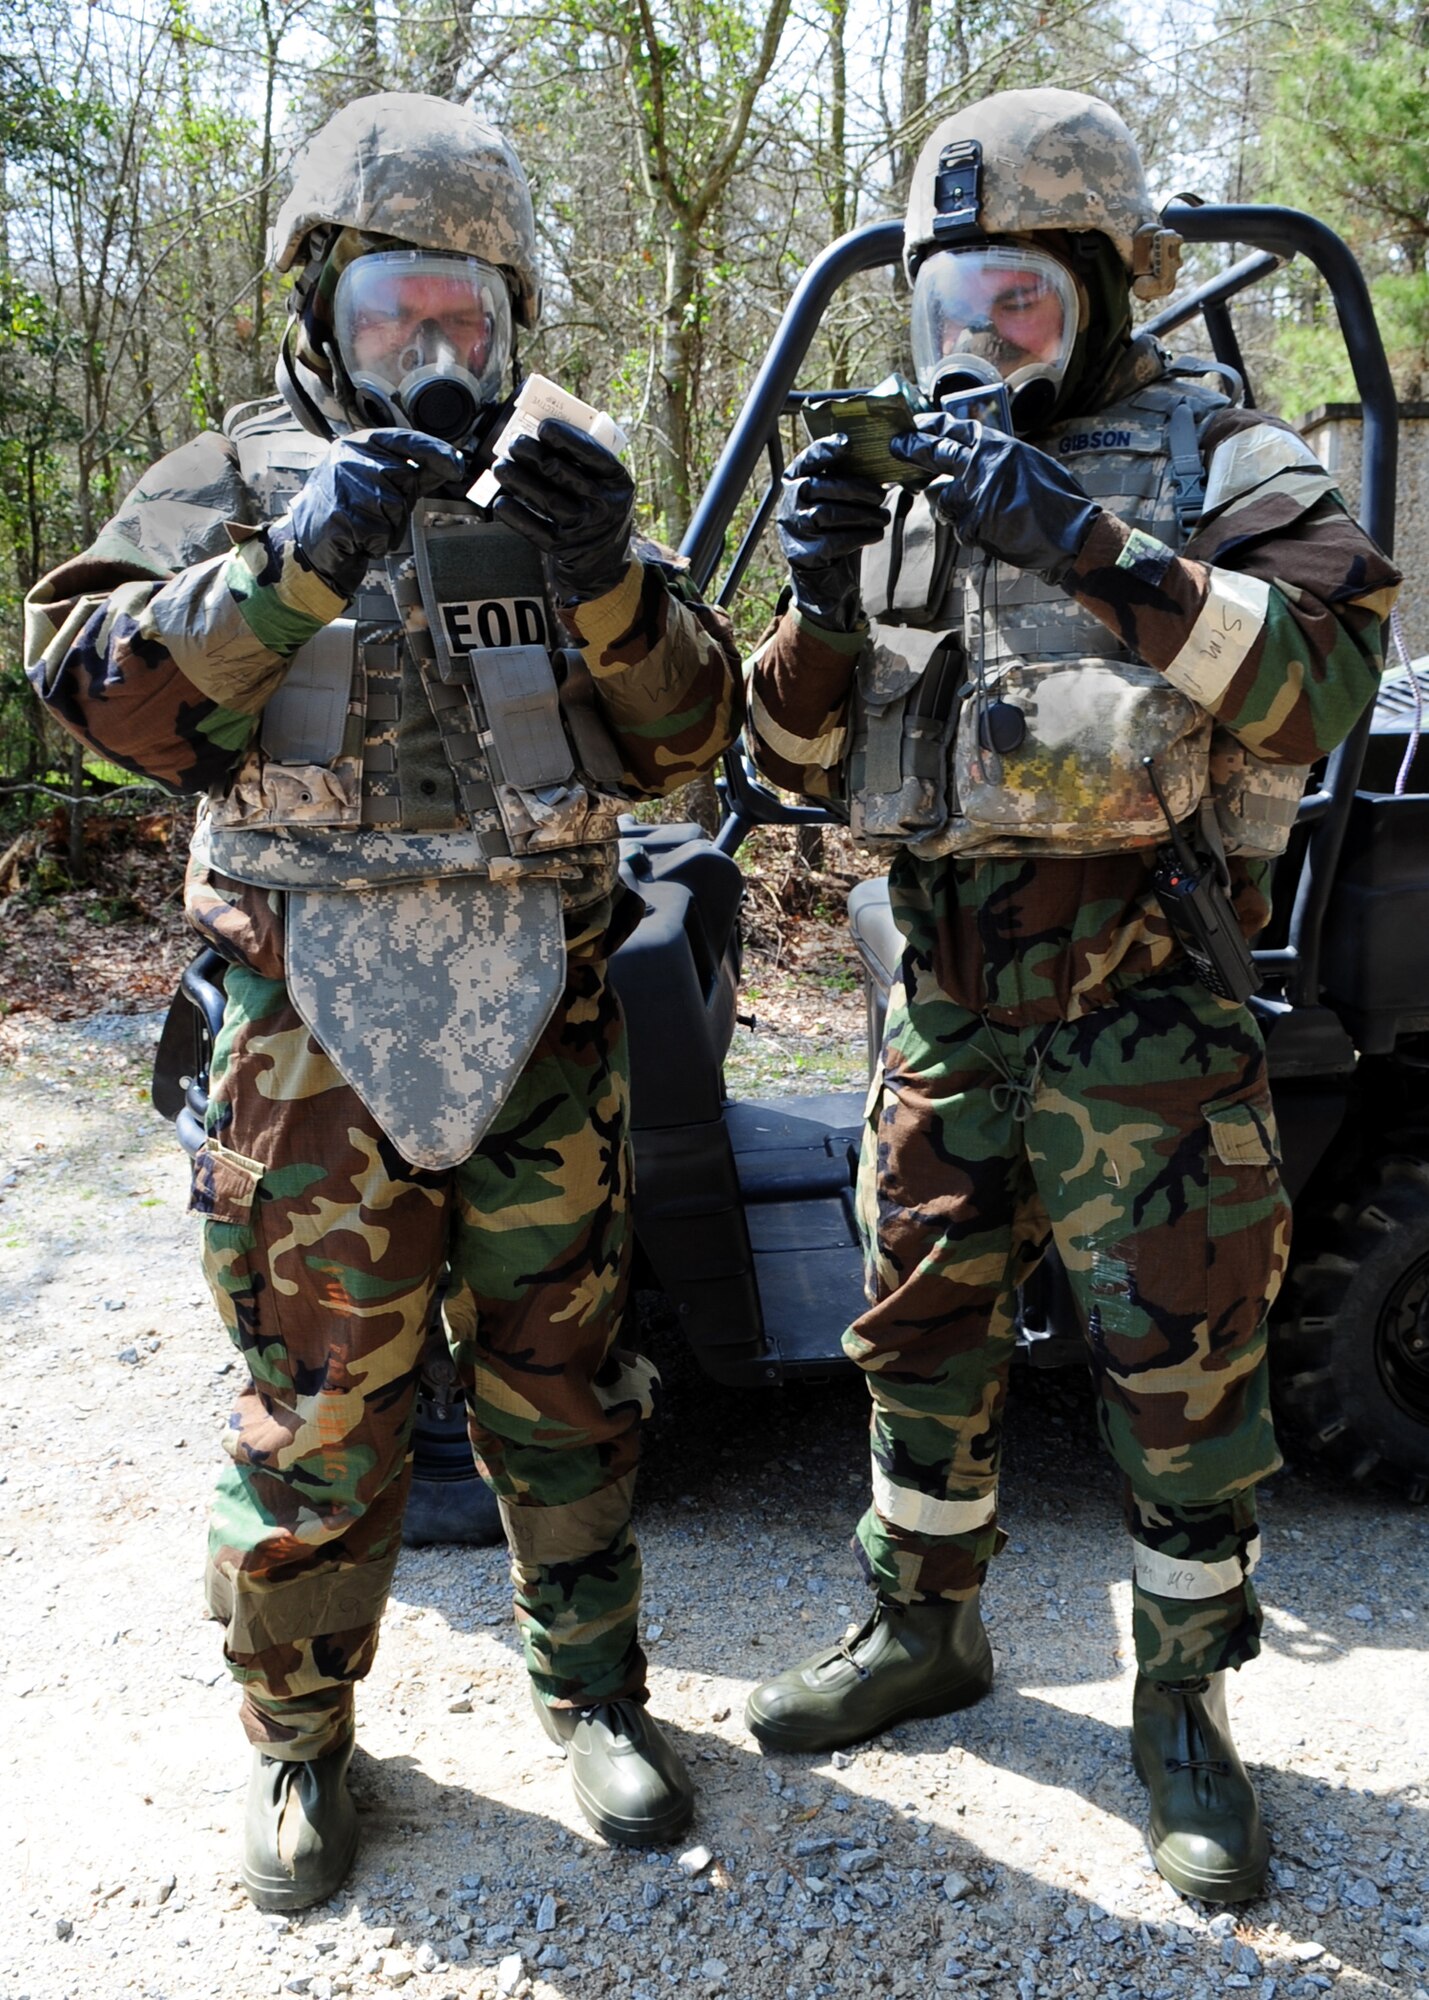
1350, 1346
449, 1503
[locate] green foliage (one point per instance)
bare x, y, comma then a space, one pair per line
688, 157
1349, 141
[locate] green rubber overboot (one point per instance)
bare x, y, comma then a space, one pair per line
1206, 1835
629, 1781
299, 1829
907, 1660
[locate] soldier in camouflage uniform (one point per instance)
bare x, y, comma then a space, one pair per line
413, 724
977, 672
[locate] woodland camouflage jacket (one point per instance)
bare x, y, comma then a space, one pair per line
160, 645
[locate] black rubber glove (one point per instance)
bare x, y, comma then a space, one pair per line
826, 515
575, 500
1000, 494
355, 506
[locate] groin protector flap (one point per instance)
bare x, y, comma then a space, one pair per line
429, 998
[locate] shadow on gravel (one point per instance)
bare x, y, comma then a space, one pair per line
746, 1504
1343, 1563
800, 1883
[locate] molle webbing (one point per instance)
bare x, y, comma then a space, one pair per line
1188, 474
380, 652
435, 702
1139, 459
955, 635
452, 742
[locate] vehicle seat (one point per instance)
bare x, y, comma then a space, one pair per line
879, 943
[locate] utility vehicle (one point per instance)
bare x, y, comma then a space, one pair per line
743, 1210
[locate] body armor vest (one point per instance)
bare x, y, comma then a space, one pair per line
427, 788
994, 716
438, 729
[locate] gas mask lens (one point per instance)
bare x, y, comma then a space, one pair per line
992, 307
425, 339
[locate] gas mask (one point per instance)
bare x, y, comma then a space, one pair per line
423, 339
995, 312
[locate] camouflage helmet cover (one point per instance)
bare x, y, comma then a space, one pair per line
422, 171
1051, 160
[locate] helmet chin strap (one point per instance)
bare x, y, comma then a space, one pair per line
288, 377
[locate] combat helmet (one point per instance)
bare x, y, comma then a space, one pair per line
394, 175
1029, 162
417, 170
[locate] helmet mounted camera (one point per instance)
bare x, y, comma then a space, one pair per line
957, 192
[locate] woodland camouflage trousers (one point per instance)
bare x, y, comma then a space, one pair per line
324, 1250
1140, 1140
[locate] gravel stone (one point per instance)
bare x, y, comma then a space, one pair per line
955, 1857
508, 1973
546, 1914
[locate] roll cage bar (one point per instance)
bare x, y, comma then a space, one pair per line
1276, 235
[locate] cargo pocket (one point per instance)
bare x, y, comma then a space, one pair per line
224, 1192
1247, 1217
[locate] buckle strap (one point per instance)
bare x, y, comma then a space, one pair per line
1188, 475
460, 722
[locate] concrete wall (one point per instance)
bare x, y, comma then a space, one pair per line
1333, 433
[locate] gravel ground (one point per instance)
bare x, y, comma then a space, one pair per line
998, 1853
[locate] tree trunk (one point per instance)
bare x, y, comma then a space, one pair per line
76, 813
811, 848
913, 96
369, 48
841, 207
679, 341
260, 362
838, 117
700, 802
